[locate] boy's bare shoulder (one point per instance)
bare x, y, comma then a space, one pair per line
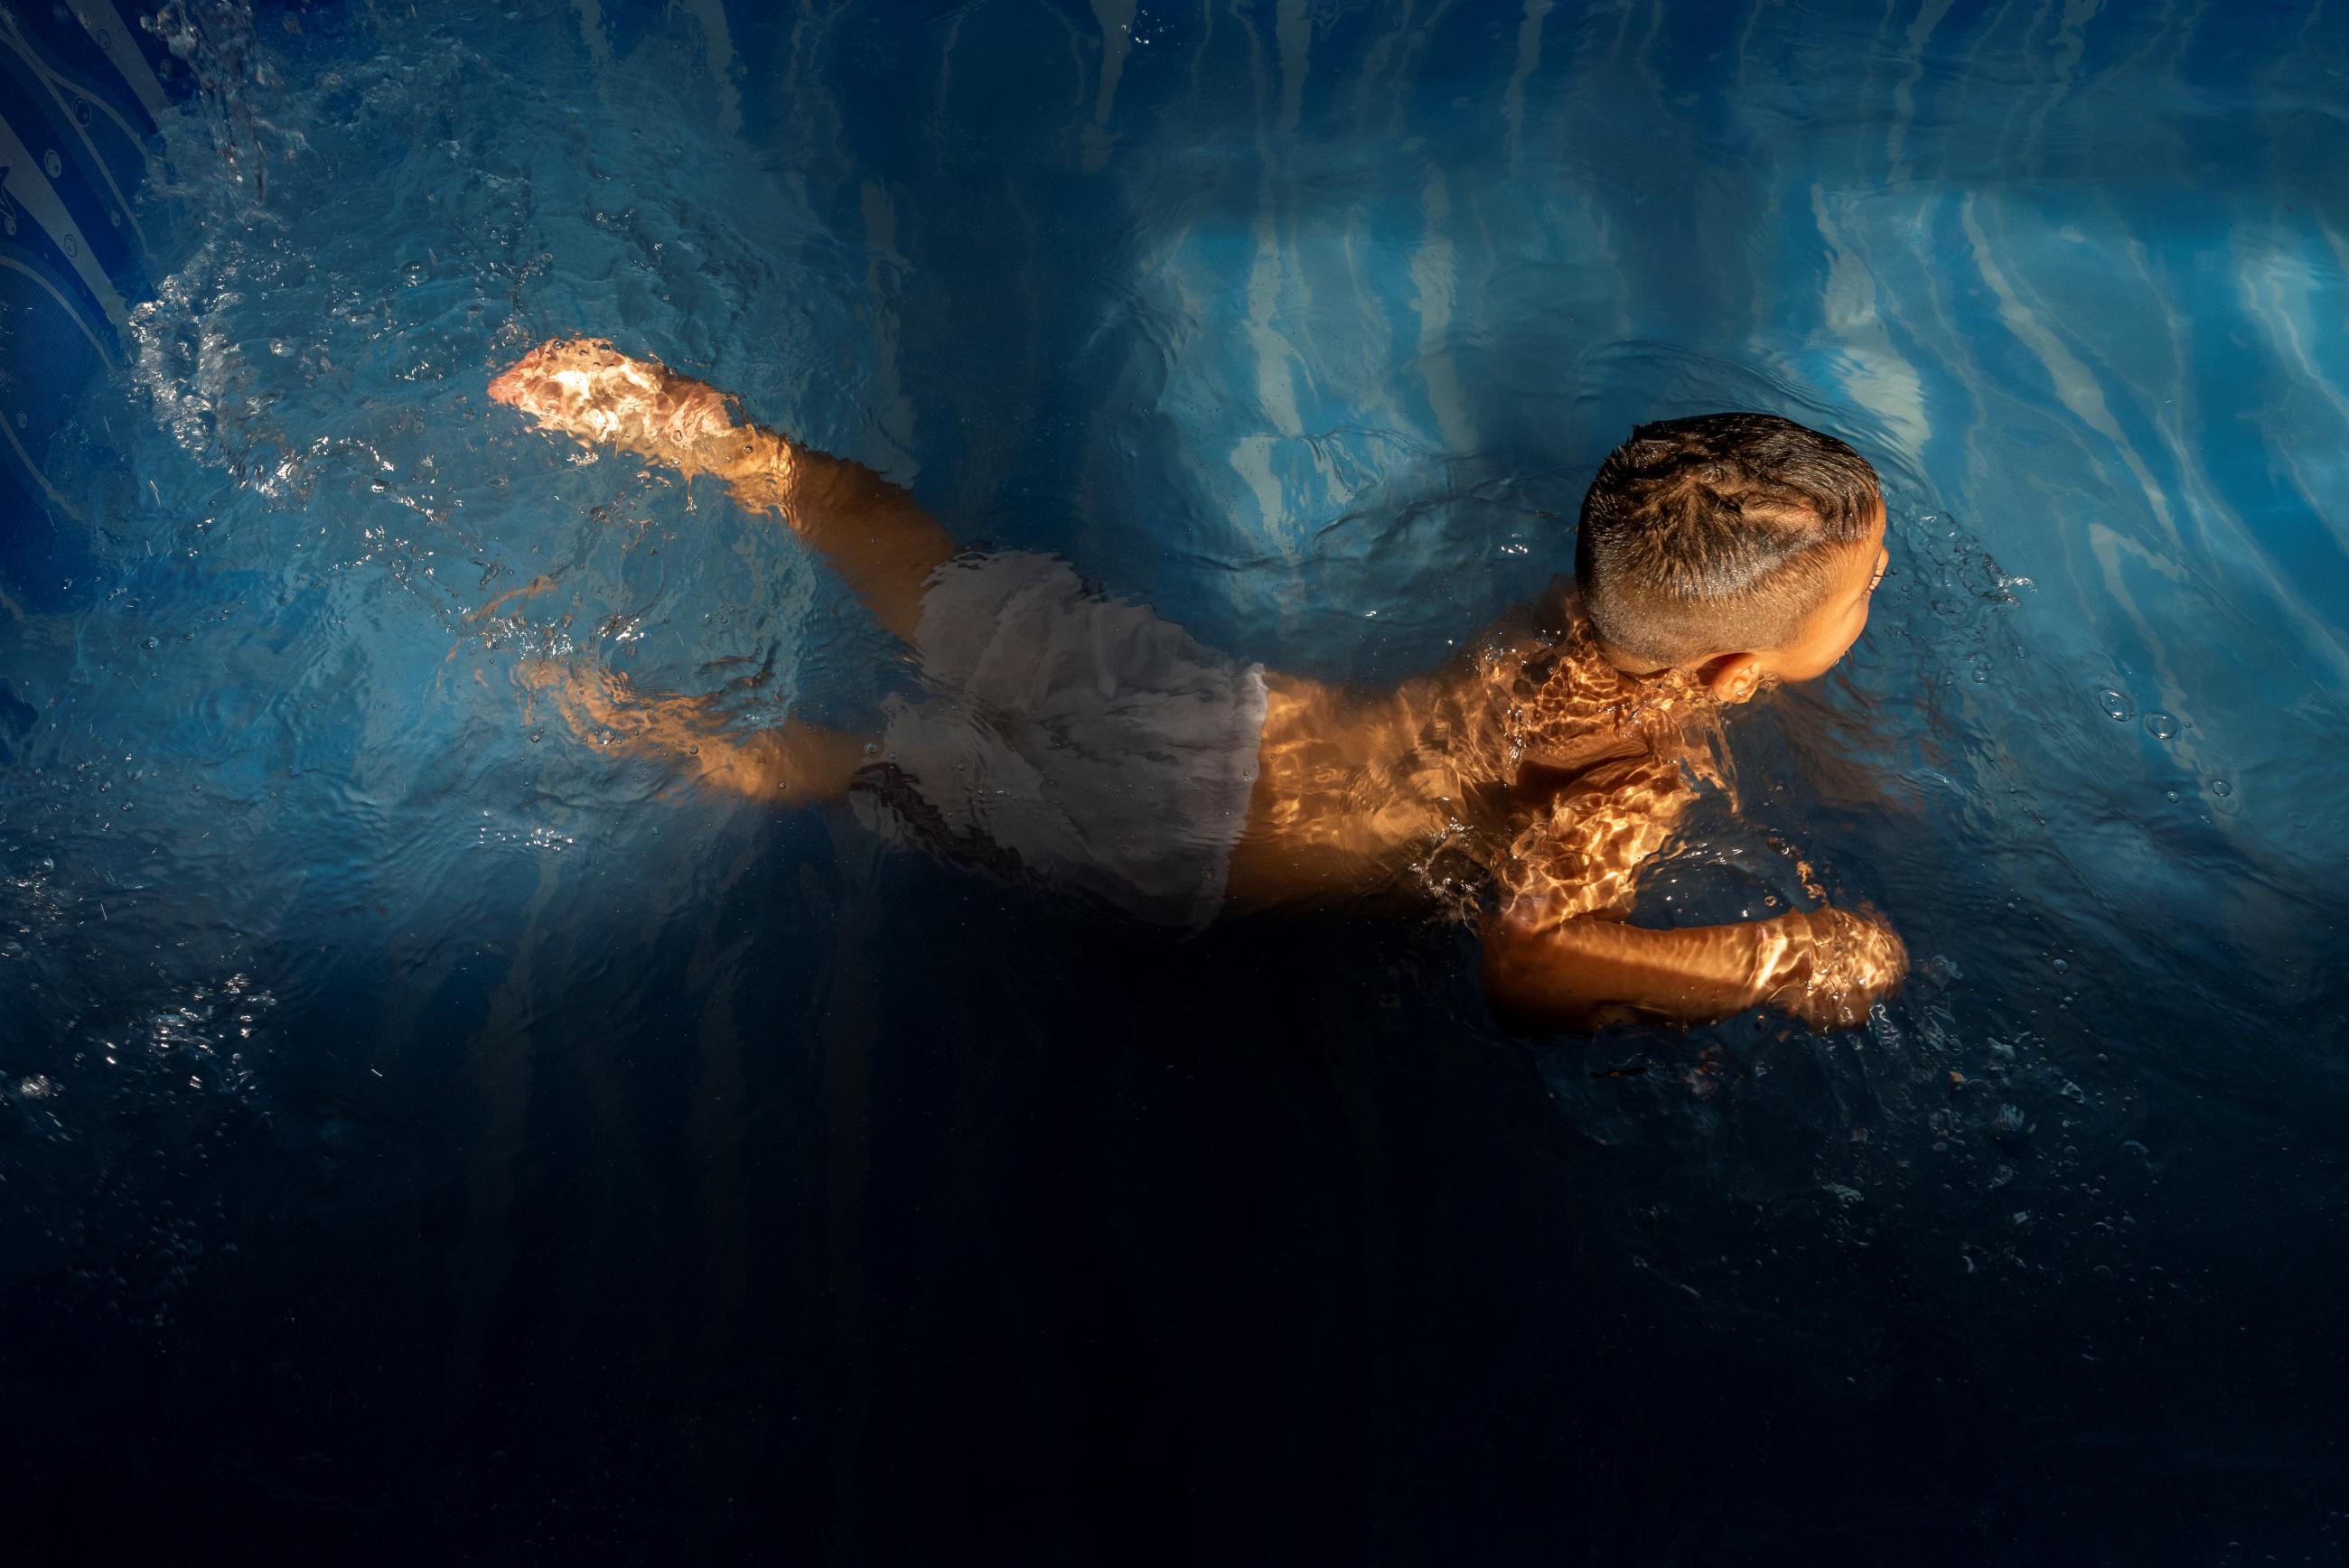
1568, 710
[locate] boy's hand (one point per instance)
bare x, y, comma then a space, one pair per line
1835, 965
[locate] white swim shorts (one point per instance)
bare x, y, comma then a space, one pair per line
1068, 739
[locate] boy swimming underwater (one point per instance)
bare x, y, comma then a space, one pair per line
1082, 742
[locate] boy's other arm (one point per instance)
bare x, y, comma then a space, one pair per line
1558, 955
1824, 966
872, 531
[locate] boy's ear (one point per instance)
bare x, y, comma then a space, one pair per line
1732, 677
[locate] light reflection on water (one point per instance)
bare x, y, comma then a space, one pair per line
1307, 324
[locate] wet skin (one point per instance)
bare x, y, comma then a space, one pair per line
1549, 776
1530, 771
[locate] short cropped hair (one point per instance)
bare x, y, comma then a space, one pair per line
1717, 535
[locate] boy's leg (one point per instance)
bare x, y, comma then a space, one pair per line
871, 530
796, 762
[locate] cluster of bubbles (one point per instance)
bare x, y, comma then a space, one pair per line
2120, 710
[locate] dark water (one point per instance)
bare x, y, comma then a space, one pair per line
422, 1138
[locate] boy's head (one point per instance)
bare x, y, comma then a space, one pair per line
1739, 547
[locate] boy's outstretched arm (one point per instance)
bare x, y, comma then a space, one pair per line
1557, 955
1825, 966
871, 530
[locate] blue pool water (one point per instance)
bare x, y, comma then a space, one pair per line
419, 1135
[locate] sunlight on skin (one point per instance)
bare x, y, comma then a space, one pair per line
872, 531
1350, 781
586, 389
1547, 774
1544, 774
1823, 967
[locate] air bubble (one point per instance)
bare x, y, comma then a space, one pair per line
2061, 966
2116, 705
2222, 788
2160, 725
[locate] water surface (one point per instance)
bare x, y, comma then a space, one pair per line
422, 1132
